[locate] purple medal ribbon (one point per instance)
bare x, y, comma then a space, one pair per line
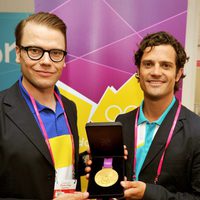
107, 163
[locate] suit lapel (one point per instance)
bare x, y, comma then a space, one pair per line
72, 119
18, 111
69, 114
161, 136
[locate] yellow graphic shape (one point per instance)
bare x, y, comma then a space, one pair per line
61, 147
115, 102
112, 103
84, 107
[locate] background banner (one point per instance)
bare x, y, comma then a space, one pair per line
9, 69
102, 36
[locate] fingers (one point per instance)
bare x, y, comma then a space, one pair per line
88, 151
134, 189
82, 196
88, 169
128, 189
89, 162
73, 196
125, 152
128, 184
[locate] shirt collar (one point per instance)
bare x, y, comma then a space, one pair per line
143, 119
40, 107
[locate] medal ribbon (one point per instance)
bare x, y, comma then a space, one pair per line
159, 169
44, 130
107, 163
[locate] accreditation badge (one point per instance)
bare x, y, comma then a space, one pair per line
63, 187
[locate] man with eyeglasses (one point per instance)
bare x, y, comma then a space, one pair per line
39, 143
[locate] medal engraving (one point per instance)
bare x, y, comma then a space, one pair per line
106, 177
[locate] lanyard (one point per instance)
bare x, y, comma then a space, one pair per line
166, 145
44, 130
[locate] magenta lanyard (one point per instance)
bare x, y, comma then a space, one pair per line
166, 145
44, 130
70, 132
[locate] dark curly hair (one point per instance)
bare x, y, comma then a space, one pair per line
163, 38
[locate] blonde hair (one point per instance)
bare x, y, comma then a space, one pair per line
43, 18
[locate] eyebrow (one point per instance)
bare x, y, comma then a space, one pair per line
162, 61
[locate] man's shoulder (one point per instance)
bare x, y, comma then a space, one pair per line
126, 116
189, 114
9, 93
6, 91
191, 120
68, 101
69, 105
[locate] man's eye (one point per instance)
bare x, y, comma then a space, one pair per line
56, 53
165, 65
147, 64
35, 50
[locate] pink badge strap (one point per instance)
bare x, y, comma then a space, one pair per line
67, 122
166, 146
168, 142
135, 143
44, 130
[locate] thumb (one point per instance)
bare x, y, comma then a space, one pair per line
83, 195
126, 184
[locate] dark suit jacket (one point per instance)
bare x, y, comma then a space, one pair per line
26, 168
180, 175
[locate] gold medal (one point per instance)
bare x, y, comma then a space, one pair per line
106, 177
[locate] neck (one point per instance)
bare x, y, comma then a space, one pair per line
43, 96
153, 109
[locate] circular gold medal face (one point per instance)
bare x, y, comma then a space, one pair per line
106, 177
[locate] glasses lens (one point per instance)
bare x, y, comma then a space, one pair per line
35, 52
57, 55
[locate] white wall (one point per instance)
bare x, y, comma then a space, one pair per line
197, 89
16, 5
192, 38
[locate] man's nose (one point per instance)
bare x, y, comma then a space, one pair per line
156, 69
46, 58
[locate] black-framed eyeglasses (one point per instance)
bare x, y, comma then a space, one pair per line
36, 53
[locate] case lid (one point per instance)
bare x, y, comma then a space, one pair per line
105, 138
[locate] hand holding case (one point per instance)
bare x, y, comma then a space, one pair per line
105, 141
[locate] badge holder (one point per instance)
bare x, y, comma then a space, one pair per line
66, 186
107, 152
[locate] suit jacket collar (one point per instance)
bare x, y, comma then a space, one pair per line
69, 112
18, 111
161, 136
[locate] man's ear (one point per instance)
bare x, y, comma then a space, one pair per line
179, 74
137, 75
17, 51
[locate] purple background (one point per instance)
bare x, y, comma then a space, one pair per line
103, 35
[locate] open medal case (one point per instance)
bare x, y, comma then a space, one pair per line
106, 141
